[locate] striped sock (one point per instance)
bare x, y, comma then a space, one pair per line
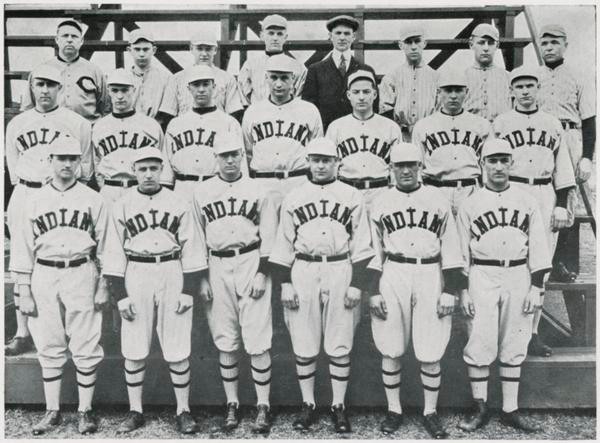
52, 381
339, 371
479, 377
431, 378
391, 373
537, 315
306, 368
86, 382
180, 377
134, 378
510, 376
261, 373
230, 372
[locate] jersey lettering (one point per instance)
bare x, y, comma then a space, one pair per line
126, 139
453, 137
412, 218
375, 146
42, 136
532, 137
323, 209
197, 137
279, 128
499, 218
154, 219
62, 218
230, 208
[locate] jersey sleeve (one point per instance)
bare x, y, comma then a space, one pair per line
27, 101
586, 100
247, 134
87, 154
167, 176
387, 92
452, 256
233, 96
377, 241
101, 218
283, 248
317, 125
22, 246
169, 103
539, 257
360, 239
11, 152
464, 234
103, 104
267, 225
114, 260
563, 176
193, 243
332, 132
300, 80
245, 82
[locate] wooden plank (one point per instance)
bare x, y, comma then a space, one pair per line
578, 285
533, 32
119, 56
359, 46
513, 56
590, 318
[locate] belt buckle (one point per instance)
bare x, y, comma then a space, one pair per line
531, 180
157, 259
419, 260
285, 174
505, 263
459, 184
236, 252
61, 264
323, 258
367, 184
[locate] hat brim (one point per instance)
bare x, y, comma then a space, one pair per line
148, 158
342, 21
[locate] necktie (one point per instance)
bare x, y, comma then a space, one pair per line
342, 66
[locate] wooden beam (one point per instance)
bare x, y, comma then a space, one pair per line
513, 56
534, 33
119, 56
7, 85
359, 47
445, 54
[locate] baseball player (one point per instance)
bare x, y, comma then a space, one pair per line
488, 84
451, 139
364, 139
277, 129
239, 223
60, 234
252, 78
27, 138
117, 136
408, 93
190, 141
417, 267
84, 89
504, 245
542, 166
322, 248
226, 93
155, 258
150, 81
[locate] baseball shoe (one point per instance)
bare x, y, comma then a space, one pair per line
133, 421
308, 415
19, 345
88, 423
515, 420
232, 418
262, 423
50, 421
560, 273
434, 426
391, 423
479, 419
538, 348
186, 424
340, 419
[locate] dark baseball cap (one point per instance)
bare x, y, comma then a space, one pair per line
70, 22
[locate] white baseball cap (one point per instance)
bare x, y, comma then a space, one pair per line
227, 143
525, 71
146, 153
452, 77
402, 152
47, 72
273, 21
200, 72
139, 34
361, 75
322, 146
280, 63
203, 38
411, 31
486, 30
494, 146
65, 145
120, 77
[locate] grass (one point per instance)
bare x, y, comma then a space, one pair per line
160, 424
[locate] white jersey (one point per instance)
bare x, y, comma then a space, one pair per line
150, 87
488, 91
363, 146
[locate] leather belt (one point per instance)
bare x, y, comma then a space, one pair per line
121, 183
366, 183
531, 181
321, 258
191, 177
278, 174
63, 263
568, 124
414, 260
30, 184
502, 263
234, 252
156, 259
451, 183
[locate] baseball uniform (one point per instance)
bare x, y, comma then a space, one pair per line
150, 89
488, 91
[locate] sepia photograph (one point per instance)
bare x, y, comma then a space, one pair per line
300, 220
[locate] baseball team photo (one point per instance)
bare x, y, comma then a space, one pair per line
300, 221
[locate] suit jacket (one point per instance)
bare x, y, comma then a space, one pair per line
326, 88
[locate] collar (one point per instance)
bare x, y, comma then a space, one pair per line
533, 111
497, 192
139, 72
48, 111
123, 114
417, 66
363, 120
484, 68
555, 64
323, 183
230, 181
270, 53
63, 190
455, 115
151, 192
64, 61
281, 104
336, 55
409, 192
204, 110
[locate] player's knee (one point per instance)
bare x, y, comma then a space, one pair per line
134, 365
301, 360
179, 365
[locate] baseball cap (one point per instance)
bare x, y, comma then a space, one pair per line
139, 34
361, 75
200, 72
147, 153
524, 71
70, 22
65, 144
203, 38
486, 30
495, 146
120, 77
273, 21
553, 30
452, 77
226, 142
280, 63
321, 146
342, 20
405, 152
47, 72
411, 31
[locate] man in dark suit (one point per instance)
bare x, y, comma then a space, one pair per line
326, 80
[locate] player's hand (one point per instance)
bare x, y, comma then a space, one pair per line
445, 304
289, 297
377, 306
352, 297
127, 309
559, 219
584, 170
184, 303
533, 301
258, 286
101, 295
26, 301
466, 304
205, 290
